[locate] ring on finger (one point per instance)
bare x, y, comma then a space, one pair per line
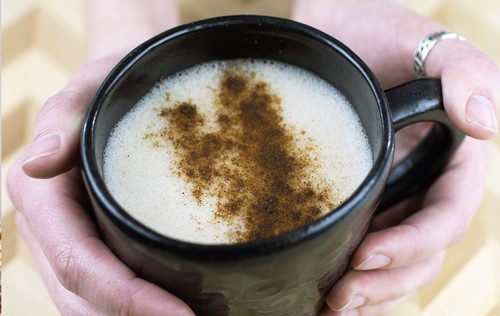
425, 46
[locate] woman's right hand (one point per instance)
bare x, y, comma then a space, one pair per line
55, 217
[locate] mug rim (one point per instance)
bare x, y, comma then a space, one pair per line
222, 252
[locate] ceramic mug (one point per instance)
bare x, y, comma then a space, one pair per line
289, 274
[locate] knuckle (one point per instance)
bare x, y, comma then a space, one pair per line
58, 103
432, 269
73, 274
353, 282
53, 104
122, 301
487, 62
125, 306
483, 64
436, 265
369, 243
69, 306
65, 264
361, 282
461, 226
13, 185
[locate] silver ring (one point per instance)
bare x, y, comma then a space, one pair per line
425, 46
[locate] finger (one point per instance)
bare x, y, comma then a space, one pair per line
398, 213
452, 206
471, 86
384, 307
90, 270
67, 302
54, 149
372, 310
82, 263
372, 288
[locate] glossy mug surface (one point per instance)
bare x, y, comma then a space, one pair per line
291, 273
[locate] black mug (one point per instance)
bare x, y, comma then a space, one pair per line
288, 274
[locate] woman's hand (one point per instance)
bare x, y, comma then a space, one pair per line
85, 278
405, 246
55, 217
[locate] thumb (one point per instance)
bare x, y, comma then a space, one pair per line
471, 86
55, 146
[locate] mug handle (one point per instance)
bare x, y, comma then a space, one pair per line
420, 100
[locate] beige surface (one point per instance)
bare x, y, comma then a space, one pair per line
43, 43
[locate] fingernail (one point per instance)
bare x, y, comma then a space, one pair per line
352, 312
355, 302
481, 112
45, 145
375, 261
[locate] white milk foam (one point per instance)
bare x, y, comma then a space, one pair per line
143, 179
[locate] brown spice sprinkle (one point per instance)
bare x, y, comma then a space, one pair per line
251, 163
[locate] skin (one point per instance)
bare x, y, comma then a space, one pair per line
405, 245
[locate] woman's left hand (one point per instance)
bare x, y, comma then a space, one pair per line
405, 247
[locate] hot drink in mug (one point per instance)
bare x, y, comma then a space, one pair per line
236, 151
237, 161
